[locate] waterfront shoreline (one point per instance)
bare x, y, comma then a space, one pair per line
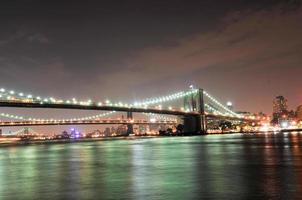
83, 140
66, 141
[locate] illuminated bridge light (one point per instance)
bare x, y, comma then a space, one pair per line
142, 104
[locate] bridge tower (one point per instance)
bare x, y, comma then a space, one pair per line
195, 124
129, 126
25, 131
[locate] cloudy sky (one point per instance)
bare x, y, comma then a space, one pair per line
245, 51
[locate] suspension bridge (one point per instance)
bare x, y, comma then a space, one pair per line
197, 107
87, 122
23, 132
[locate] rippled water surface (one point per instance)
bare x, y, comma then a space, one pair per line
215, 166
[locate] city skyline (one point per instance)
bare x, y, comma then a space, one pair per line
102, 56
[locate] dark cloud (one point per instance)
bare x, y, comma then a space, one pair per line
38, 38
244, 51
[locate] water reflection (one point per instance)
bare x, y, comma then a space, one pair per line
234, 166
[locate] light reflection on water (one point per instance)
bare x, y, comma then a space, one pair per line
260, 166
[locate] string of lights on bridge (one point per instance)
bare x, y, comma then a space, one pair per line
93, 117
220, 104
215, 111
21, 132
159, 117
17, 117
11, 95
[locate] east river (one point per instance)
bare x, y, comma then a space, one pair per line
235, 166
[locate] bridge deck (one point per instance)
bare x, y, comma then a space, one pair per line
86, 122
94, 107
102, 108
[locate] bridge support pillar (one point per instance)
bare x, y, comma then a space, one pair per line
203, 118
203, 124
194, 124
129, 126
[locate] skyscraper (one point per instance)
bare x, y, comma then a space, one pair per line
280, 109
299, 113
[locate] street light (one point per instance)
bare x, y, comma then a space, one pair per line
229, 104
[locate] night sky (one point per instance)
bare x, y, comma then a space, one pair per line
244, 51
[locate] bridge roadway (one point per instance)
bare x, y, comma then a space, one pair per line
84, 122
94, 107
105, 121
116, 108
224, 117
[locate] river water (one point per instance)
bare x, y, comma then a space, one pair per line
235, 166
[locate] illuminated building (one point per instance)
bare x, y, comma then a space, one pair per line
26, 131
244, 113
121, 130
63, 135
75, 134
107, 131
299, 113
113, 130
142, 129
280, 111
